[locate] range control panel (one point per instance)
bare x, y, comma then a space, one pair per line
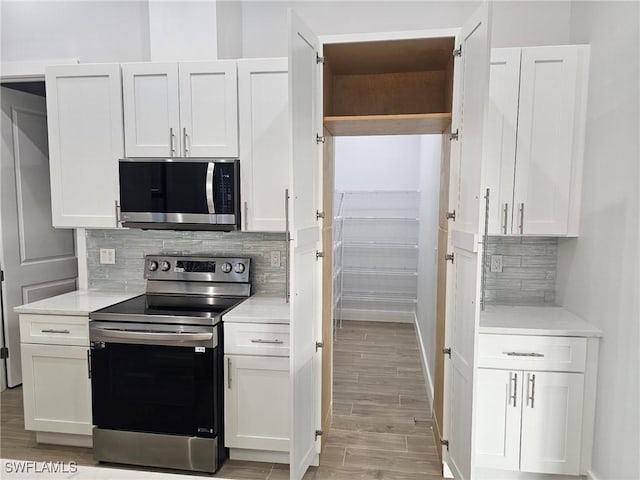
197, 269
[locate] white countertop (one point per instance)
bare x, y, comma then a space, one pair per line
535, 321
259, 309
80, 302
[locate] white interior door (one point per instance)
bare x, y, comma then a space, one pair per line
209, 109
305, 241
151, 110
471, 95
38, 260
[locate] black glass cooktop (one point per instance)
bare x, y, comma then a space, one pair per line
166, 307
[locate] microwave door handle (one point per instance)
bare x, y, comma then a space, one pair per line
211, 206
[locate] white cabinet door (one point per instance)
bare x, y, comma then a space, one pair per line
151, 109
552, 422
264, 142
500, 149
84, 115
498, 403
257, 409
545, 140
56, 389
208, 109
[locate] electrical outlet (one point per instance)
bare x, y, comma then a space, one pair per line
107, 256
275, 258
496, 264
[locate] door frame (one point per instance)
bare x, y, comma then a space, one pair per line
327, 179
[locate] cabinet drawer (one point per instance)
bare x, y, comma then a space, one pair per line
526, 352
54, 329
256, 339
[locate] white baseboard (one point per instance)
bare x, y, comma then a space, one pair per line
377, 315
424, 361
591, 475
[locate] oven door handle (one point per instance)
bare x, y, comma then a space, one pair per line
177, 337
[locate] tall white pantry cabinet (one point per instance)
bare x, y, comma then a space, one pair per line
535, 139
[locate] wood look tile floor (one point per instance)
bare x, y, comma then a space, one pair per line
381, 428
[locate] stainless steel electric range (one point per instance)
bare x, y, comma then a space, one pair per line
156, 364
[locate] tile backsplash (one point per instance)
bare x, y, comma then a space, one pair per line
528, 275
132, 245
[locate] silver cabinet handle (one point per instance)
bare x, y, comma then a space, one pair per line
208, 186
172, 145
531, 387
287, 239
53, 330
485, 243
505, 213
228, 372
89, 363
521, 226
246, 216
185, 138
513, 379
260, 340
523, 354
117, 205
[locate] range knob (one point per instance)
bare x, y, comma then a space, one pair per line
239, 267
165, 266
226, 267
153, 266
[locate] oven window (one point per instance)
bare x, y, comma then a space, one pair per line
155, 389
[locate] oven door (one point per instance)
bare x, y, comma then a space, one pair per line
197, 192
155, 378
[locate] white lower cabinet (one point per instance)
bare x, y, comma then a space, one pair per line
534, 403
56, 389
257, 407
529, 421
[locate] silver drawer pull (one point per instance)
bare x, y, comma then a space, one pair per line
260, 340
523, 354
53, 330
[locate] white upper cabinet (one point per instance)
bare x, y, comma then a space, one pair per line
84, 115
181, 109
151, 109
501, 136
264, 142
534, 166
209, 109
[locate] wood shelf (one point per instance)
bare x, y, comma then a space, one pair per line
403, 124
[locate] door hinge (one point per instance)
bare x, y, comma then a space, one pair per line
320, 138
4, 353
319, 254
445, 443
319, 59
319, 214
1, 275
454, 135
319, 345
458, 51
448, 257
318, 433
451, 215
447, 351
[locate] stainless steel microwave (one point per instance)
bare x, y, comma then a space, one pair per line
193, 194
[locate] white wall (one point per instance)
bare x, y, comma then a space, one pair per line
386, 162
229, 22
430, 157
598, 272
96, 31
517, 23
182, 31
